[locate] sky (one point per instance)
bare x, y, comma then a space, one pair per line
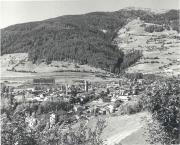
13, 12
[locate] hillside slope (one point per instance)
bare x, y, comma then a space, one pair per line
120, 127
18, 62
85, 39
161, 49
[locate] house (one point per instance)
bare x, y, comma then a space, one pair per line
31, 121
110, 108
123, 98
52, 119
76, 117
75, 109
122, 91
113, 99
53, 98
107, 98
39, 99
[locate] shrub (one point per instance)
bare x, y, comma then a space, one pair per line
134, 75
14, 131
131, 107
54, 106
154, 28
154, 61
162, 100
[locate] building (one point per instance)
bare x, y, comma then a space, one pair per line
52, 119
31, 121
44, 81
86, 86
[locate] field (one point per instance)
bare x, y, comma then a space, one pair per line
161, 50
120, 127
16, 68
18, 62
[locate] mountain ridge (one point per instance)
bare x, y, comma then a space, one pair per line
159, 11
78, 37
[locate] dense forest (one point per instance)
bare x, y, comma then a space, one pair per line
85, 39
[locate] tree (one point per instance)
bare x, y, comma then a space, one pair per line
14, 131
162, 100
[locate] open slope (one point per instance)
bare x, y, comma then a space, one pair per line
18, 62
161, 50
121, 127
16, 67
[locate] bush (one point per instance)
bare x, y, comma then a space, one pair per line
154, 61
133, 76
162, 100
54, 106
14, 131
154, 28
131, 107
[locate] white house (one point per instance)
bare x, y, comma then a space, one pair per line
52, 119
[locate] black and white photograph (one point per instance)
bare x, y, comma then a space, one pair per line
90, 72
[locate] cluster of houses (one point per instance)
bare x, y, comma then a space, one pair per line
114, 94
89, 99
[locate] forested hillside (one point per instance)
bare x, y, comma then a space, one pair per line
85, 39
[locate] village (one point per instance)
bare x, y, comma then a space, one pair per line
85, 99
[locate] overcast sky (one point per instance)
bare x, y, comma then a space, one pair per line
13, 12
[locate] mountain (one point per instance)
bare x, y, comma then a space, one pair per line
85, 39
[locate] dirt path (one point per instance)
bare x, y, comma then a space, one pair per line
122, 126
118, 137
